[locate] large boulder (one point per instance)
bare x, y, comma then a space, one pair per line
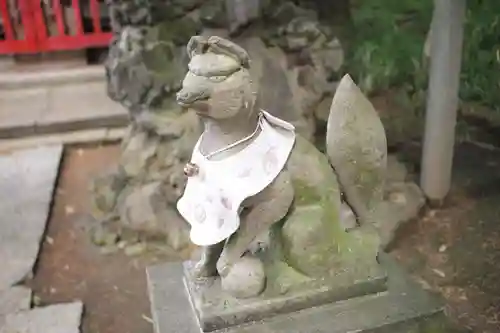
145, 67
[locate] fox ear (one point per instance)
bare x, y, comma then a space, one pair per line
196, 45
226, 47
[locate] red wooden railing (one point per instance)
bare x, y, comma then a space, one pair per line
11, 44
34, 26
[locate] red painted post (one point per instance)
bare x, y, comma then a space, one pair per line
78, 17
7, 24
94, 12
56, 7
40, 29
26, 9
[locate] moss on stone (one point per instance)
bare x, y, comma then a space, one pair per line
179, 31
282, 278
314, 242
305, 194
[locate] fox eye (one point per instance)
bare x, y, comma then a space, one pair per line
217, 79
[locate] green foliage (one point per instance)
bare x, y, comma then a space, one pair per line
388, 42
480, 79
387, 48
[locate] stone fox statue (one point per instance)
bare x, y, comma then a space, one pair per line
250, 172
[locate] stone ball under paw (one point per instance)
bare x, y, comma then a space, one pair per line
246, 278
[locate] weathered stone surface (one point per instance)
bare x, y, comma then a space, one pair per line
97, 111
178, 31
309, 244
347, 217
276, 94
217, 309
26, 185
405, 307
299, 33
171, 310
403, 204
288, 10
297, 88
13, 300
396, 171
42, 106
246, 278
242, 12
140, 12
146, 210
213, 14
138, 149
60, 318
144, 188
309, 85
106, 189
361, 164
135, 249
315, 56
155, 156
140, 208
225, 65
330, 57
403, 201
144, 67
21, 109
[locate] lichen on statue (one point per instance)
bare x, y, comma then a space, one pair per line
292, 194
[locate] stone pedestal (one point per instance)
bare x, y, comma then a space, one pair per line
369, 305
217, 310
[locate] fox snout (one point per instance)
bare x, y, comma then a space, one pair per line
185, 97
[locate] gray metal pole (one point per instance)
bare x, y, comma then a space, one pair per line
442, 98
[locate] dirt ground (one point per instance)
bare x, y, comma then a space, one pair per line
112, 287
454, 250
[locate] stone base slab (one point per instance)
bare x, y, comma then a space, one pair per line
404, 307
215, 309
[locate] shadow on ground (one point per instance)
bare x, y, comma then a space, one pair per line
455, 250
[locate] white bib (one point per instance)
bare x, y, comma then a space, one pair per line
212, 198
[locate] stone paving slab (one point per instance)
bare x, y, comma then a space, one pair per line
60, 318
96, 135
52, 77
66, 101
77, 106
20, 110
170, 306
27, 180
13, 300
